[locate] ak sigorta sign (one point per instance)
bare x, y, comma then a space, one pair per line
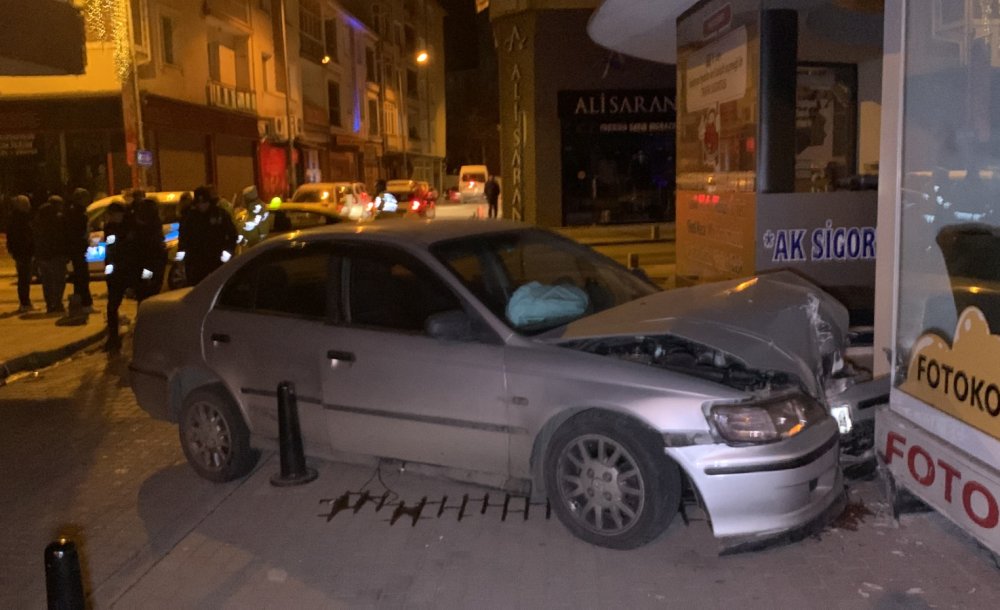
961, 379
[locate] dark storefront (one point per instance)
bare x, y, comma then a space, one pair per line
617, 156
195, 144
54, 146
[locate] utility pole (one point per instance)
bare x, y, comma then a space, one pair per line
132, 107
289, 119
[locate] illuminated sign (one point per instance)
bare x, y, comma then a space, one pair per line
961, 379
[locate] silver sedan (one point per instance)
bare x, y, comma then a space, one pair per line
518, 358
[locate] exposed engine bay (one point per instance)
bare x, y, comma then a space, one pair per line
682, 356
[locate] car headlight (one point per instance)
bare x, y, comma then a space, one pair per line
766, 421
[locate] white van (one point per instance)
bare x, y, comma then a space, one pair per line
471, 180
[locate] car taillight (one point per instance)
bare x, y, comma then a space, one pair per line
414, 204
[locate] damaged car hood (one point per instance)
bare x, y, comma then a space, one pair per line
777, 321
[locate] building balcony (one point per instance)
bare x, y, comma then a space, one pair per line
232, 97
234, 10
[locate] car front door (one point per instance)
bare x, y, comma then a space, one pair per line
392, 390
269, 325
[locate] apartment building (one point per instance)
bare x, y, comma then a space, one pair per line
224, 92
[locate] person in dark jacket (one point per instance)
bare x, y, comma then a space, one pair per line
120, 265
50, 253
207, 237
150, 251
492, 191
21, 246
76, 239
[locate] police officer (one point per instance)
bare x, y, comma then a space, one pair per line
150, 251
207, 237
76, 239
120, 270
253, 220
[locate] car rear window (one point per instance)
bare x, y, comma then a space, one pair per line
473, 177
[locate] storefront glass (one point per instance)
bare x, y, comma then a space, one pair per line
949, 258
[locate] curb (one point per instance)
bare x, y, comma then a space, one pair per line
37, 360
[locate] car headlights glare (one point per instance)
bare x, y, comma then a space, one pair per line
765, 422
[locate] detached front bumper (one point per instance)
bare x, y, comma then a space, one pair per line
759, 492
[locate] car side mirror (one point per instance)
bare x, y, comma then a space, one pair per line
453, 325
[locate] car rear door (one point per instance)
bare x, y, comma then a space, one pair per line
269, 325
392, 390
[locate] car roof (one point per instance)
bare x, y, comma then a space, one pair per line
405, 231
319, 186
162, 197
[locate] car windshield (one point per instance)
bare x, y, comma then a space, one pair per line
535, 280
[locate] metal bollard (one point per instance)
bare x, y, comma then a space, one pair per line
654, 232
63, 579
293, 460
633, 260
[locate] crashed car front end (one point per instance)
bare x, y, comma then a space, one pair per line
769, 467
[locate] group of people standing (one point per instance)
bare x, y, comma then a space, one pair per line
56, 235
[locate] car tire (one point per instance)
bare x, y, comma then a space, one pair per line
214, 437
609, 481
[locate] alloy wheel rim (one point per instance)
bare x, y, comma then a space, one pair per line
208, 436
600, 482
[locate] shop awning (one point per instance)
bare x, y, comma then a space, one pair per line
639, 28
648, 30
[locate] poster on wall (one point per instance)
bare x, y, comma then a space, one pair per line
825, 126
717, 57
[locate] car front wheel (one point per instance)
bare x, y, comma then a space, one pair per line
214, 437
609, 481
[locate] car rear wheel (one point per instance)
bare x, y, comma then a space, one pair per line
215, 439
609, 481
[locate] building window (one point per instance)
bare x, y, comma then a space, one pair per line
331, 39
370, 72
167, 34
310, 31
411, 83
333, 101
391, 119
410, 39
379, 18
373, 122
267, 70
413, 121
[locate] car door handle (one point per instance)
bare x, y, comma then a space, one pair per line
220, 338
334, 354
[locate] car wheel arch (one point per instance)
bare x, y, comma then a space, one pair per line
549, 428
191, 378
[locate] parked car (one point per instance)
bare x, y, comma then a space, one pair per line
350, 199
167, 205
414, 197
522, 358
290, 216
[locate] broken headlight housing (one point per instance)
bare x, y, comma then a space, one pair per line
765, 421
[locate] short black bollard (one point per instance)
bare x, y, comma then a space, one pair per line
293, 460
63, 580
